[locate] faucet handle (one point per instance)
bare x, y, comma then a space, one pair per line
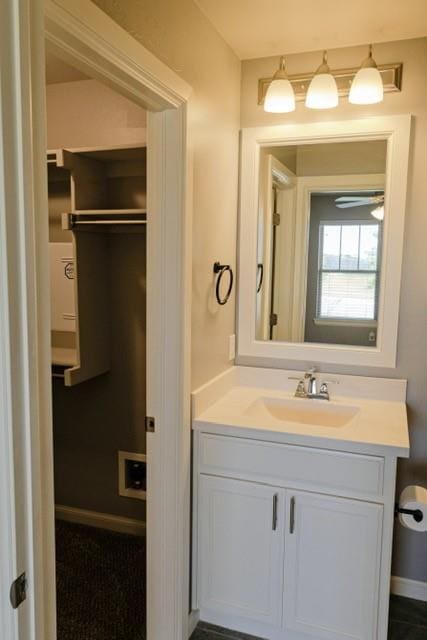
324, 391
300, 390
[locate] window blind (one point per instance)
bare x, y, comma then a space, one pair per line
348, 275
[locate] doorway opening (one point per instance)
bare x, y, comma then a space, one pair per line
96, 167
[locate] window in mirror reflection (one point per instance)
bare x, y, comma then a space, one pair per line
320, 242
343, 271
347, 277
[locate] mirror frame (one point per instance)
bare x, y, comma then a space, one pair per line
396, 131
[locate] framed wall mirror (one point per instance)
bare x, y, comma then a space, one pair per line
321, 240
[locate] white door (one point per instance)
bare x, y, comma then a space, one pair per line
240, 550
25, 498
332, 563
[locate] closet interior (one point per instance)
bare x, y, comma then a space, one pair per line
97, 240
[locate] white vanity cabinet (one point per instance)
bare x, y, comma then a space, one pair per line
241, 544
281, 551
332, 565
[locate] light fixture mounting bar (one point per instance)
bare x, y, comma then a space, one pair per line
391, 75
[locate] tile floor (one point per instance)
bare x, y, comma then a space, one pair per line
408, 621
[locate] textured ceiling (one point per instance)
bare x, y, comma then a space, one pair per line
258, 28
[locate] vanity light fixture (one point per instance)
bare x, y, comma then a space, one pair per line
323, 91
280, 97
346, 79
367, 86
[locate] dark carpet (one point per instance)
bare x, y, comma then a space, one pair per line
101, 591
100, 584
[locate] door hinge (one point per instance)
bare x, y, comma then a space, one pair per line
276, 219
273, 319
18, 591
150, 424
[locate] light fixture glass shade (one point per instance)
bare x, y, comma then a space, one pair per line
323, 91
378, 213
367, 87
280, 96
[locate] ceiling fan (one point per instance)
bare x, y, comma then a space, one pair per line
347, 202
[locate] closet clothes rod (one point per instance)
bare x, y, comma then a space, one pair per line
92, 222
78, 218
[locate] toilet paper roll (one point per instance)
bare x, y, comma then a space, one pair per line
413, 497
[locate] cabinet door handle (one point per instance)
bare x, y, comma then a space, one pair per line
292, 516
274, 523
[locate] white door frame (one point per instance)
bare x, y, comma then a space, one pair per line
81, 34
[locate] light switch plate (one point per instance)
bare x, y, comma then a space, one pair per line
232, 346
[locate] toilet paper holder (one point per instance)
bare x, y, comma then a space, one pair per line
417, 514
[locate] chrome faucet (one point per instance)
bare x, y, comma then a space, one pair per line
307, 386
310, 386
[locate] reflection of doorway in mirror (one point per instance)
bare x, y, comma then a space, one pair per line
275, 259
310, 323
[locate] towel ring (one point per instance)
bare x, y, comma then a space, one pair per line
221, 269
260, 274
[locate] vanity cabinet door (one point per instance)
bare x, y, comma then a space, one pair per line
332, 562
240, 551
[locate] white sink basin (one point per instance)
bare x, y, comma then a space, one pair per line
312, 412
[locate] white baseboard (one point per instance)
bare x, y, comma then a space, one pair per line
409, 588
193, 620
100, 520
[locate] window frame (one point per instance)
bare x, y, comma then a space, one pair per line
340, 320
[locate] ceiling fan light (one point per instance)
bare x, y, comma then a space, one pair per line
280, 96
323, 91
378, 213
367, 86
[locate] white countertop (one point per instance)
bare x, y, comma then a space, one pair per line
230, 404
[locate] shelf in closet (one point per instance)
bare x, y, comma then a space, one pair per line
102, 191
64, 357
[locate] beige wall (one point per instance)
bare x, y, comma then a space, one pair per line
410, 549
334, 159
180, 35
86, 113
345, 158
